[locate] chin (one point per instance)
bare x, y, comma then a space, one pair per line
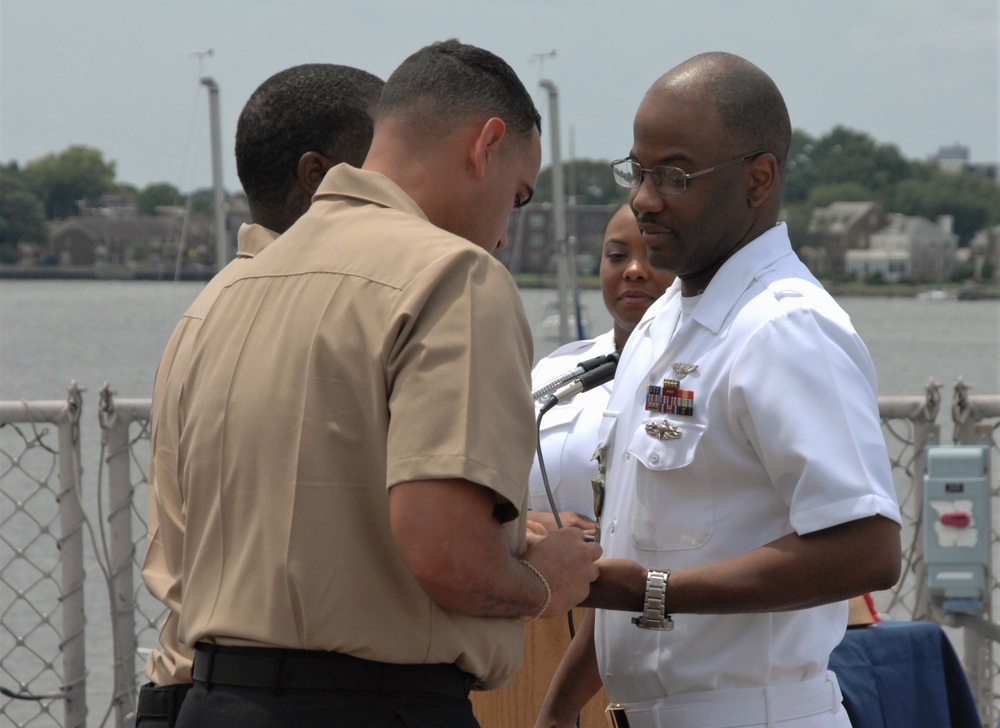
631, 318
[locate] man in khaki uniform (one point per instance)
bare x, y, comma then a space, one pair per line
295, 126
342, 460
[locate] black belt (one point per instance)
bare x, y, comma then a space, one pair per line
276, 669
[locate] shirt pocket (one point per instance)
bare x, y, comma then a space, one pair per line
554, 431
674, 507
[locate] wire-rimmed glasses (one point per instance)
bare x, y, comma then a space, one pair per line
668, 180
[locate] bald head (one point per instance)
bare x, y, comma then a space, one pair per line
751, 109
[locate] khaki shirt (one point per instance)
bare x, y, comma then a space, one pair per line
172, 663
363, 348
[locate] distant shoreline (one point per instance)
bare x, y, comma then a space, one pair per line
963, 291
97, 273
524, 280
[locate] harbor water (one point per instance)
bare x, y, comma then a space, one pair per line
54, 332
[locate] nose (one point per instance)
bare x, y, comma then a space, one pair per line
502, 243
636, 270
646, 198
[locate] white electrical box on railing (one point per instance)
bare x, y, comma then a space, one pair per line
957, 526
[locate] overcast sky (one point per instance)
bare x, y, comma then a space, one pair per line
123, 75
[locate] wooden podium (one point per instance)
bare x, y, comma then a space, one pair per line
516, 705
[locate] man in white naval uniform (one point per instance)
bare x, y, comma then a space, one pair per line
748, 488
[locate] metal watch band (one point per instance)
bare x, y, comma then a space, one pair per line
654, 614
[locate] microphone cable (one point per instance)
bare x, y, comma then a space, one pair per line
601, 372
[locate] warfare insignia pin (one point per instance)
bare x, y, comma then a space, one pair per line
682, 370
662, 430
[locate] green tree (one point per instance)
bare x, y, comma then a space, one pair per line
159, 194
22, 215
850, 165
62, 180
972, 201
202, 201
847, 156
128, 191
800, 172
986, 270
843, 156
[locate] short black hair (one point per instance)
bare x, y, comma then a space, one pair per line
314, 107
448, 81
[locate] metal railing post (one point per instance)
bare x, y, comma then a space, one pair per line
71, 561
115, 433
922, 413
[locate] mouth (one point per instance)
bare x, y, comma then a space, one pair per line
635, 298
654, 233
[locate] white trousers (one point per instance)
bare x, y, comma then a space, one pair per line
816, 703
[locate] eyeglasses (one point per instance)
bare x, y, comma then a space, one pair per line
668, 180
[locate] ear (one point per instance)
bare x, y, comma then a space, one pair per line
311, 170
763, 172
484, 145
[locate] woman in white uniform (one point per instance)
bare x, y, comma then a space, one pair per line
569, 430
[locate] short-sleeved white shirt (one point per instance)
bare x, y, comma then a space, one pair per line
568, 431
784, 436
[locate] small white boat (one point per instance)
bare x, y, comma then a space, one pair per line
936, 294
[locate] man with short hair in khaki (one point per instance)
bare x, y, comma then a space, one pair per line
297, 124
350, 439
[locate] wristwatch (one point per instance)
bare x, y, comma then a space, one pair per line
654, 615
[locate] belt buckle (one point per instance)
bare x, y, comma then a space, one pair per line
616, 715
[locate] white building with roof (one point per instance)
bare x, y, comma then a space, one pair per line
908, 247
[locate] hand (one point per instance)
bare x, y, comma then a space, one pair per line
621, 586
569, 565
535, 532
568, 518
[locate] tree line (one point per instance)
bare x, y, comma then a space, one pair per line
60, 184
842, 165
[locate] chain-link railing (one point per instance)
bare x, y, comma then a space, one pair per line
42, 665
40, 587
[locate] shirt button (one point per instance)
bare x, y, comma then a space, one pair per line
654, 457
613, 526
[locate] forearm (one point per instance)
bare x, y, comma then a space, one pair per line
459, 553
793, 572
575, 682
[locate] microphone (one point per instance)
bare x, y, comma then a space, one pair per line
581, 368
584, 382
